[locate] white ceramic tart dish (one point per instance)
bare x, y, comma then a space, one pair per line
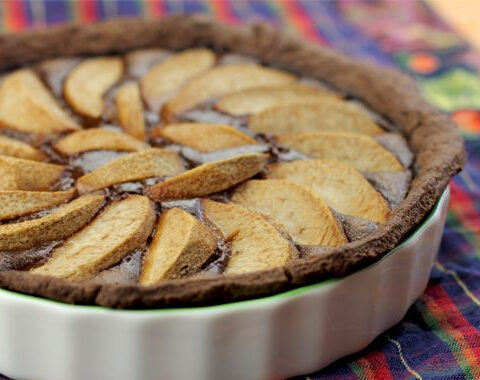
288, 334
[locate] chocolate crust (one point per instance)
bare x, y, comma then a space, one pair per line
432, 136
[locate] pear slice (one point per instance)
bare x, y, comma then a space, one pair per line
132, 167
339, 184
293, 208
87, 83
181, 245
21, 174
163, 79
118, 230
19, 149
204, 137
255, 244
15, 203
224, 79
55, 226
97, 139
326, 115
257, 99
168, 76
130, 110
362, 152
209, 178
27, 106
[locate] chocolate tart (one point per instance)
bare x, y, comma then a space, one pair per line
190, 163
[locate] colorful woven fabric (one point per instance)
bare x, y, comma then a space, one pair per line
439, 338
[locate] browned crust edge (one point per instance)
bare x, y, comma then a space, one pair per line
432, 136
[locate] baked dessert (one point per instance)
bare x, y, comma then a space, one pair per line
186, 163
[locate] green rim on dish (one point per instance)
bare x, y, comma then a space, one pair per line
261, 300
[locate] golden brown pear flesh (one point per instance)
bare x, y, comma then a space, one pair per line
209, 178
362, 152
163, 79
19, 149
339, 184
137, 166
20, 174
180, 246
258, 99
87, 83
27, 106
322, 115
222, 80
293, 208
55, 226
204, 137
97, 139
255, 244
120, 228
15, 203
130, 110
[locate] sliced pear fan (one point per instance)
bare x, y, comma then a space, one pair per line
362, 152
339, 184
20, 174
168, 76
55, 226
97, 139
256, 244
19, 149
180, 247
119, 229
132, 167
224, 79
27, 106
15, 203
209, 178
87, 83
293, 208
257, 99
130, 110
204, 137
323, 115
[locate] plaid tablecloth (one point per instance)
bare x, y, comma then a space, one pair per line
439, 338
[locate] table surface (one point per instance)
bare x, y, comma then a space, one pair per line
464, 18
439, 338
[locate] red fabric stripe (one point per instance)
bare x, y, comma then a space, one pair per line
462, 201
88, 11
301, 20
375, 366
158, 7
223, 11
16, 15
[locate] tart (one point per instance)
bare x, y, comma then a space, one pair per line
192, 163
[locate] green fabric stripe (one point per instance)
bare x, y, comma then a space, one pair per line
357, 370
